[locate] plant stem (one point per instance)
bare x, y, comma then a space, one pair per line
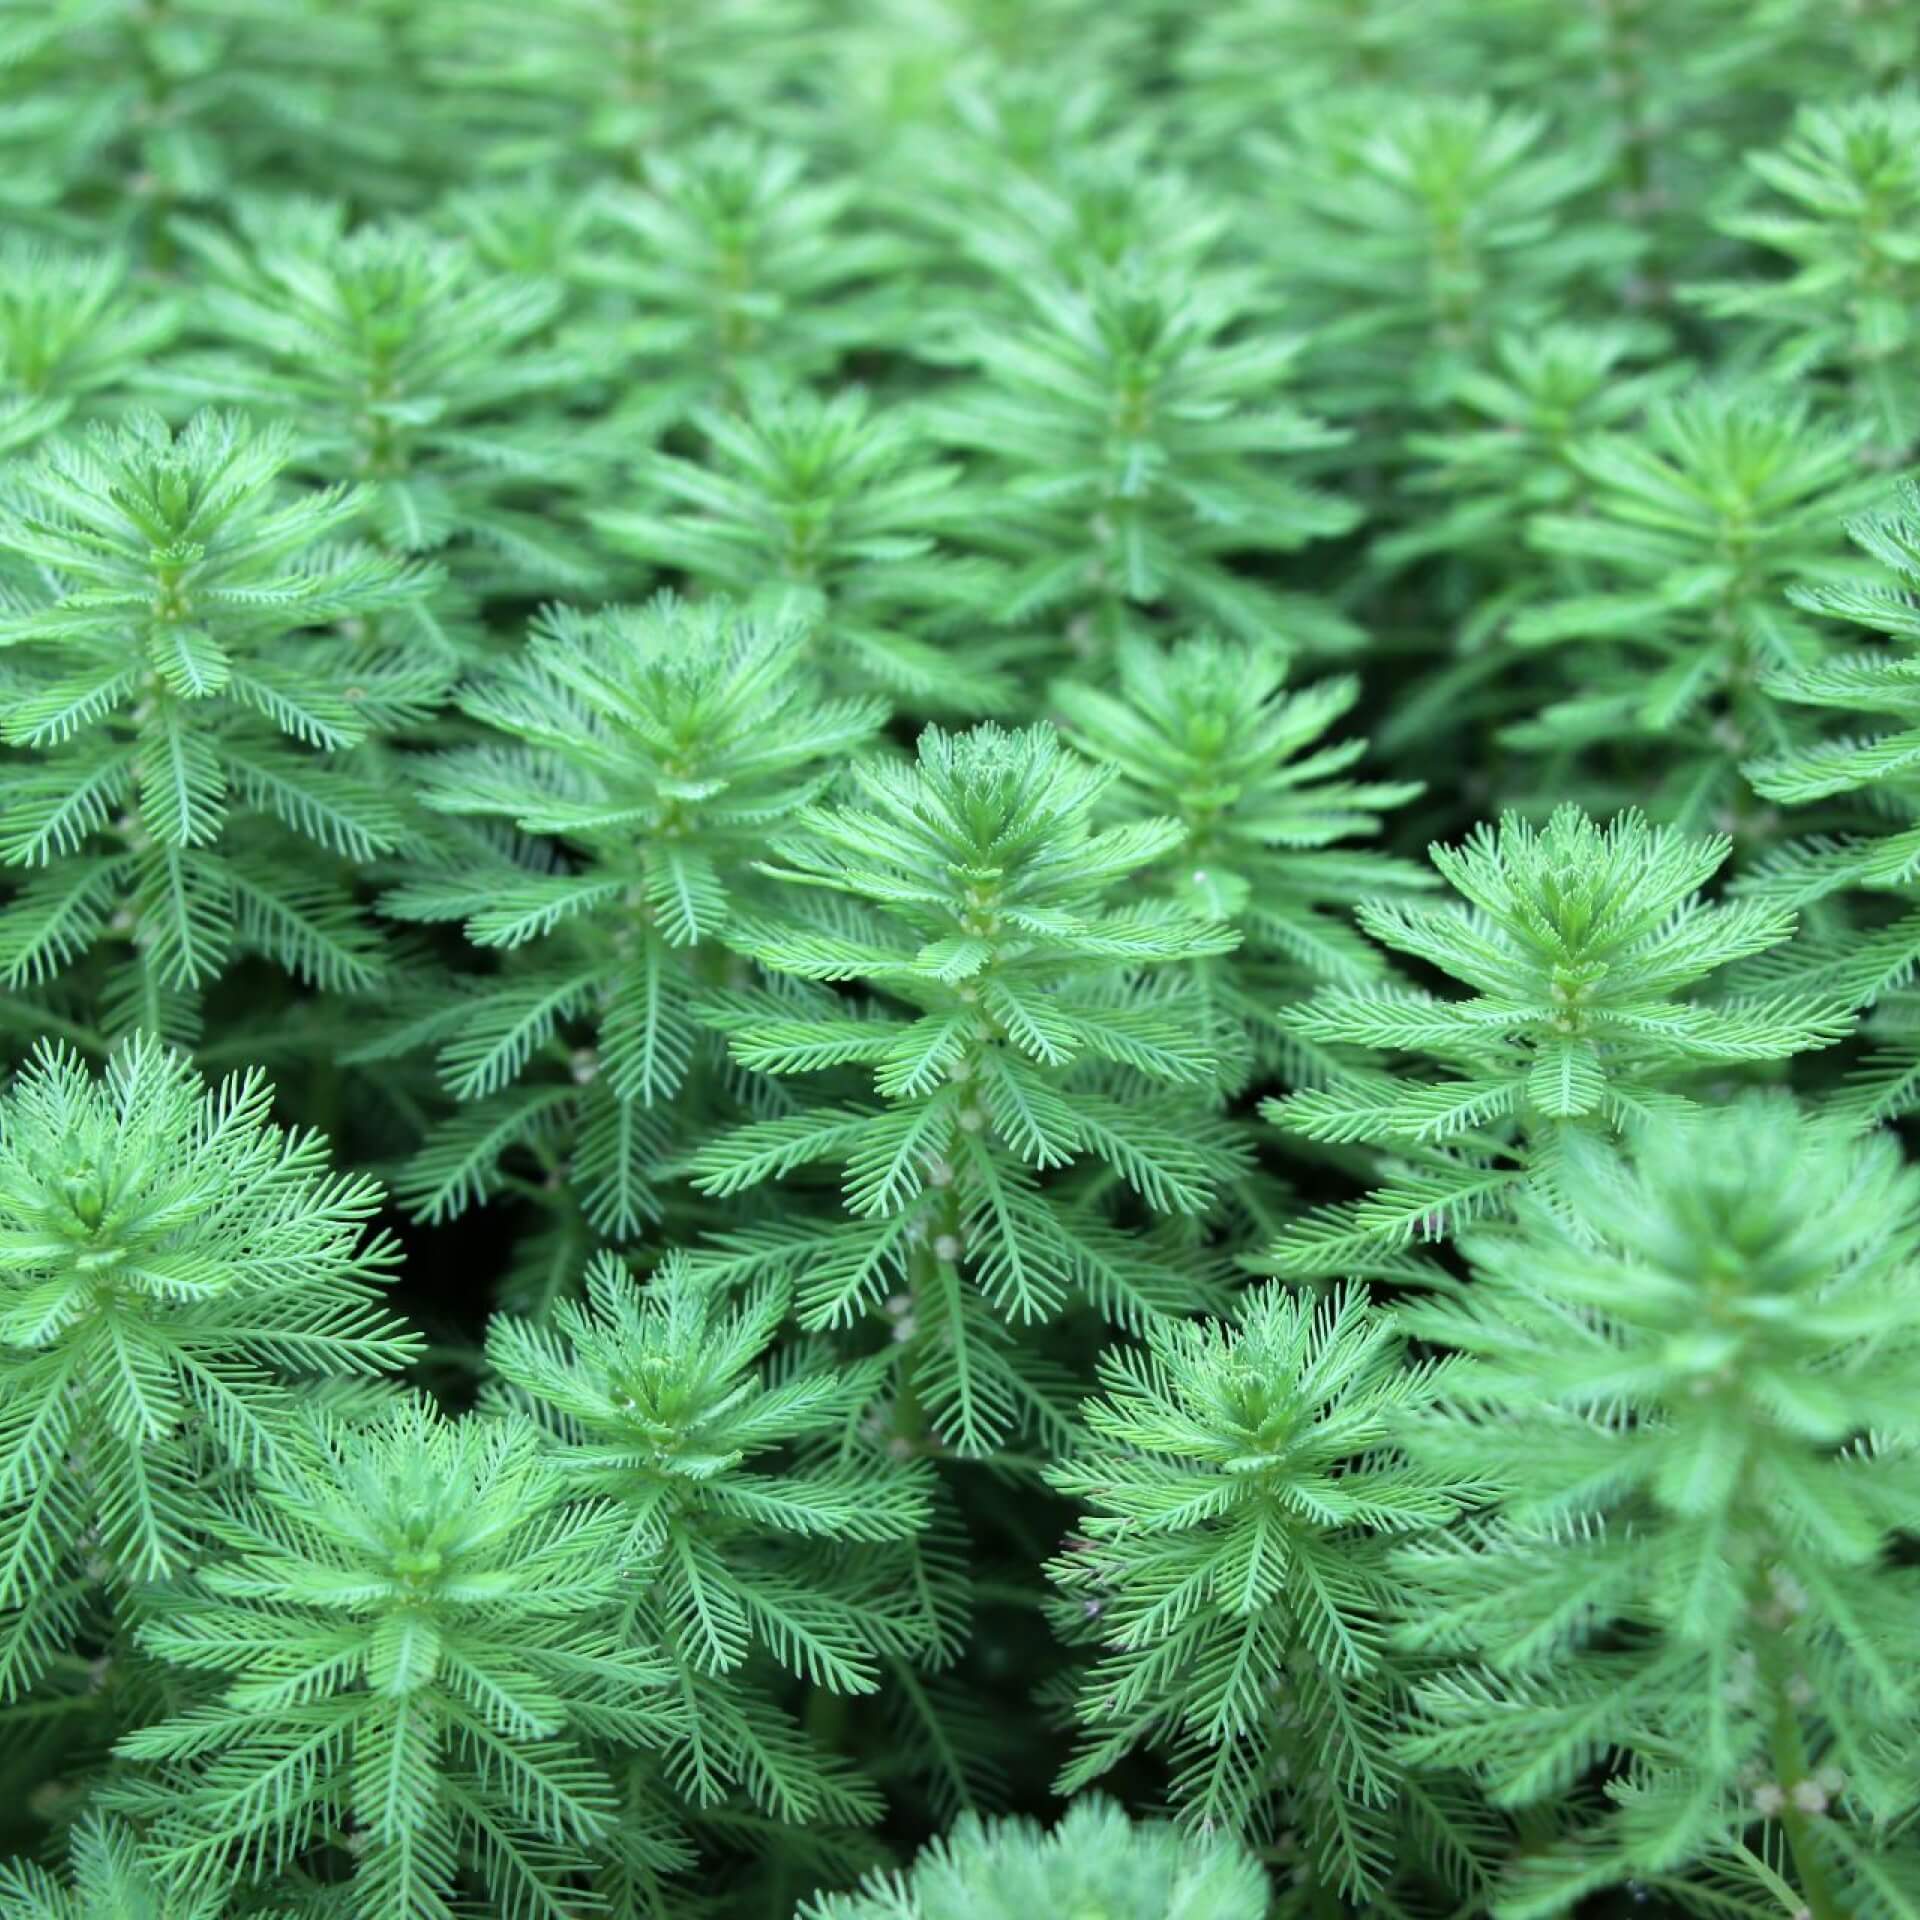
1790, 1769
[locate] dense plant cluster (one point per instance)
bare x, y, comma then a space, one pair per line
959, 959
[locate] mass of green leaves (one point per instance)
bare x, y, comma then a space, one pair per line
959, 959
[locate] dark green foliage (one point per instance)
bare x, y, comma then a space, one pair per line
787, 664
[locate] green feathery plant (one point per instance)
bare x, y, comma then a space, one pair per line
1849, 308
783, 663
1247, 62
828, 506
1063, 215
534, 227
1020, 1037
776, 1536
74, 334
1131, 449
637, 761
1694, 1396
170, 1264
403, 1654
1095, 1861
1208, 733
1580, 942
1861, 799
1504, 456
109, 1879
602, 85
1243, 1488
1008, 155
742, 274
404, 366
1420, 226
1668, 95
1692, 529
182, 674
121, 110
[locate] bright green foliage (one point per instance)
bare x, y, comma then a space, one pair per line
188, 717
1579, 942
826, 506
1421, 225
653, 750
1134, 448
1851, 231
1873, 961
742, 272
1696, 1396
411, 1640
169, 1261
1095, 1862
408, 368
1020, 1036
659, 1400
1691, 532
71, 331
1242, 1488
1207, 733
110, 1879
783, 662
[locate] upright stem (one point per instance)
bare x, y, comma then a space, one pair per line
1790, 1768
923, 1273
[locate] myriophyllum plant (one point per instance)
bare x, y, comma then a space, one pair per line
185, 686
1242, 1487
1692, 1386
404, 1651
172, 1267
1028, 1074
1584, 945
634, 766
1095, 1861
1209, 733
